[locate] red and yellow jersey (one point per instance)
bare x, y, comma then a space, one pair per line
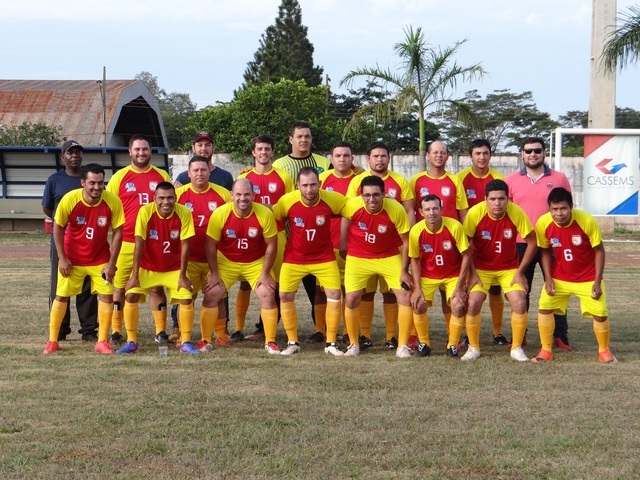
474, 185
440, 252
572, 246
331, 182
86, 238
494, 241
135, 189
310, 226
395, 186
163, 236
374, 235
269, 187
241, 239
448, 187
201, 205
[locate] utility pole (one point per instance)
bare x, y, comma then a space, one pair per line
602, 87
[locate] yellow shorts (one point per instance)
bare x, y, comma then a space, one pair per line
327, 274
197, 273
499, 277
124, 265
341, 263
72, 285
375, 283
277, 264
430, 285
589, 307
358, 271
232, 272
169, 280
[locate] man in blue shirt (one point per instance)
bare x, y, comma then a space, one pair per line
203, 146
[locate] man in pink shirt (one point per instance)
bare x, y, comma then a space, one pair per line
529, 189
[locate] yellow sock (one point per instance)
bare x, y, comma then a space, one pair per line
116, 320
208, 316
405, 319
160, 319
58, 309
289, 320
496, 305
270, 322
366, 319
518, 328
105, 312
320, 311
473, 330
455, 330
447, 321
421, 322
186, 322
221, 326
352, 319
333, 319
390, 319
242, 306
131, 315
602, 331
546, 326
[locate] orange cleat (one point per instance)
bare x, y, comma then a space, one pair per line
224, 342
607, 357
54, 347
543, 356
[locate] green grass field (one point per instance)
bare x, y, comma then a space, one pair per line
239, 413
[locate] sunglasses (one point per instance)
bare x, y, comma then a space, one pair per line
533, 150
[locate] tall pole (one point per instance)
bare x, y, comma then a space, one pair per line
602, 87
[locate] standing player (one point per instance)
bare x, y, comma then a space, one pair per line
575, 238
83, 251
203, 147
440, 258
474, 179
160, 258
202, 198
242, 245
492, 227
309, 251
371, 227
57, 186
135, 186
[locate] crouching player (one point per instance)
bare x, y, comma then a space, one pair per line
576, 242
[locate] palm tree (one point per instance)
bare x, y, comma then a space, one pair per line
423, 83
623, 46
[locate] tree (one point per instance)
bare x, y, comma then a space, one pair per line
284, 52
424, 82
623, 46
30, 135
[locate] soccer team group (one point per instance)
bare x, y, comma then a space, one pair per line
345, 233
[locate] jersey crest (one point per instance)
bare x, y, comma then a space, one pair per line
446, 191
102, 221
576, 240
153, 186
320, 220
174, 234
252, 232
382, 229
213, 206
447, 245
272, 187
392, 193
508, 233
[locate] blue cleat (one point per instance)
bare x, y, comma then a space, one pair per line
129, 347
189, 348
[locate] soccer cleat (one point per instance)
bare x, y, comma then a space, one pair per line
103, 347
452, 352
224, 342
543, 356
519, 355
237, 336
392, 344
333, 349
187, 347
271, 348
204, 346
317, 337
90, 337
424, 350
562, 343
607, 357
162, 338
117, 338
51, 347
292, 347
352, 351
472, 354
500, 340
129, 347
257, 336
413, 342
175, 335
364, 342
403, 352
464, 343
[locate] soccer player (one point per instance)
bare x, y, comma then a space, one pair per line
135, 186
83, 251
371, 227
574, 237
492, 227
58, 184
203, 147
529, 189
309, 251
474, 179
242, 245
160, 259
440, 258
269, 185
202, 198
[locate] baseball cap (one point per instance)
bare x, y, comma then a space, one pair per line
71, 144
202, 134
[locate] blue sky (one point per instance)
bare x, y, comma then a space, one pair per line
201, 47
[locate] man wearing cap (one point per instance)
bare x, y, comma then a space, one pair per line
203, 146
56, 187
